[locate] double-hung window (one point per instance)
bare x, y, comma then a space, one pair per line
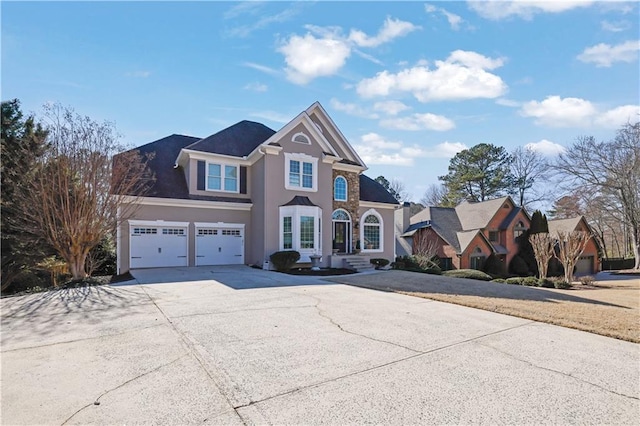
222, 177
301, 172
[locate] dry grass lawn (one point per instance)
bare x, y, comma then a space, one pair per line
610, 307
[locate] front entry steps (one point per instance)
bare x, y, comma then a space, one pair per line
357, 263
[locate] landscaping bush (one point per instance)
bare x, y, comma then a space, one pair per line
417, 264
379, 262
284, 260
467, 273
555, 268
493, 265
499, 280
518, 266
514, 280
546, 283
561, 283
530, 281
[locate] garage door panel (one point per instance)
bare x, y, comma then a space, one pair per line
153, 247
584, 265
219, 246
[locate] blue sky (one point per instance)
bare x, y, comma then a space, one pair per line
408, 83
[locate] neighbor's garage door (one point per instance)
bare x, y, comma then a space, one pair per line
219, 244
584, 266
155, 246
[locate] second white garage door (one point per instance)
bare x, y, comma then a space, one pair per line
219, 244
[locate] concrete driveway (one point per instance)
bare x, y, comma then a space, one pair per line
254, 347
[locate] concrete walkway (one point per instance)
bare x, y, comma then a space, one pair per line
253, 347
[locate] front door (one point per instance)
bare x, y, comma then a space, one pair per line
340, 236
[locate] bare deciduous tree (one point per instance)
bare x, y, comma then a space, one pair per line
78, 188
542, 245
570, 247
425, 247
527, 168
610, 169
434, 196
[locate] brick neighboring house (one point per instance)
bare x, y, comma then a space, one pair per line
467, 234
590, 261
247, 191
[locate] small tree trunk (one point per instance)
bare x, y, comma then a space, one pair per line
76, 266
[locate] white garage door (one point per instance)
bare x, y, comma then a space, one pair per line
584, 266
219, 244
158, 244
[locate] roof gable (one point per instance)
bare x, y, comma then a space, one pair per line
565, 225
478, 215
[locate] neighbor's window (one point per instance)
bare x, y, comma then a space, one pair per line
494, 236
518, 230
222, 177
340, 189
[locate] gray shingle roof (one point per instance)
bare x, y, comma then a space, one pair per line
370, 190
563, 225
169, 181
478, 215
238, 140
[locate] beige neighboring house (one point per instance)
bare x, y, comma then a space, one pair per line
590, 261
239, 195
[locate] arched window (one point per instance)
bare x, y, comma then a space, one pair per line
340, 189
301, 138
371, 231
340, 215
519, 229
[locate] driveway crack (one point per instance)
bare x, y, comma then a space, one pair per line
97, 400
557, 371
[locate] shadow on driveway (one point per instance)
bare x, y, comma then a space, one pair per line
424, 283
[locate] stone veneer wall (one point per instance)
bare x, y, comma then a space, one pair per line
353, 200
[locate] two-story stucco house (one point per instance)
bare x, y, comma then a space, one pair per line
241, 194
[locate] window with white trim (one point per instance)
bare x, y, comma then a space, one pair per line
340, 189
301, 172
222, 177
371, 231
287, 233
172, 231
301, 138
300, 230
141, 231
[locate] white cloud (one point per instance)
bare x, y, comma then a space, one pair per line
323, 51
308, 57
391, 29
390, 107
453, 19
272, 116
616, 117
546, 147
616, 26
352, 109
500, 9
461, 76
256, 87
507, 102
604, 55
261, 68
375, 149
555, 111
417, 121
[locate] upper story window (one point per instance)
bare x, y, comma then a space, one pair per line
301, 172
519, 229
301, 138
494, 236
340, 189
222, 177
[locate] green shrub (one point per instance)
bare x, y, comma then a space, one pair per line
379, 262
493, 265
555, 268
284, 260
561, 283
514, 280
530, 281
518, 266
545, 282
499, 280
467, 273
